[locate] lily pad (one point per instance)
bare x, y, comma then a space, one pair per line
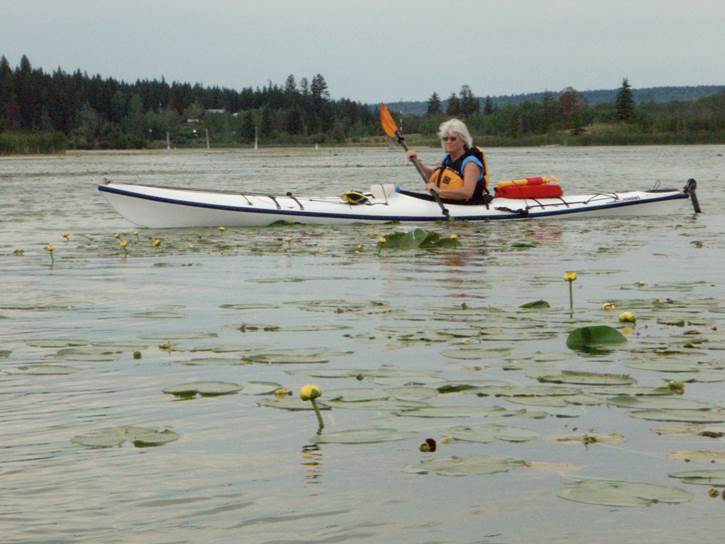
413, 392
618, 493
180, 336
110, 437
683, 416
47, 370
260, 388
691, 429
294, 356
250, 306
451, 411
55, 343
364, 436
204, 389
701, 456
383, 405
356, 395
489, 432
536, 305
715, 477
409, 376
634, 390
418, 238
214, 361
292, 404
87, 353
590, 438
474, 353
466, 466
158, 315
588, 378
593, 337
665, 365
558, 401
657, 403
526, 391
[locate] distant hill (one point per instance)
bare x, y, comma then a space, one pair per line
649, 94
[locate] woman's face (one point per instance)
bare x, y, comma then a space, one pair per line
453, 143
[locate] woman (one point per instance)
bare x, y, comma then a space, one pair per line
463, 174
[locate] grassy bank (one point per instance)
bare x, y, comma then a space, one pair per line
20, 143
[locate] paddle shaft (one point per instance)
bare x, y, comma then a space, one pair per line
419, 168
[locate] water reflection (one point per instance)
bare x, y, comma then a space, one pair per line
312, 464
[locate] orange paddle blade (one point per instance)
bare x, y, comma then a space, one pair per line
386, 119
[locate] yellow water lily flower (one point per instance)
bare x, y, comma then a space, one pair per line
281, 392
116, 235
66, 235
359, 248
123, 244
221, 228
50, 248
712, 492
608, 306
310, 392
382, 240
569, 276
453, 237
627, 317
156, 242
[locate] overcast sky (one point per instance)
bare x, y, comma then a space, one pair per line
373, 50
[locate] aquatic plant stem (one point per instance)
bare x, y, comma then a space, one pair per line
571, 299
321, 424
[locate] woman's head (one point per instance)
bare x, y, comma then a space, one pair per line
455, 128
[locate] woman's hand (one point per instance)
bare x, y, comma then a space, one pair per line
412, 154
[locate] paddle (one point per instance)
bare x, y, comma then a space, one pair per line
391, 129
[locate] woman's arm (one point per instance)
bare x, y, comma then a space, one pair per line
413, 157
471, 173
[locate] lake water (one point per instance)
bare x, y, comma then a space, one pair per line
280, 303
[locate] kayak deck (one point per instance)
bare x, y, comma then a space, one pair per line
168, 207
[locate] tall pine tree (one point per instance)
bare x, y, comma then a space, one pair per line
625, 102
454, 105
434, 105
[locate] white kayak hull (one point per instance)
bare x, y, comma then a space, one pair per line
165, 207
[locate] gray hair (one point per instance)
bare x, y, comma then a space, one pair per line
456, 127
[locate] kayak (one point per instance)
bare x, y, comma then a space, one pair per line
168, 207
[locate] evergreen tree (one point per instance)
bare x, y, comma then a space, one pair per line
548, 105
488, 106
304, 86
454, 105
290, 85
268, 122
318, 88
9, 111
469, 103
434, 105
625, 102
293, 123
248, 127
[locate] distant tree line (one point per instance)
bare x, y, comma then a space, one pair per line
95, 112
567, 115
41, 112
